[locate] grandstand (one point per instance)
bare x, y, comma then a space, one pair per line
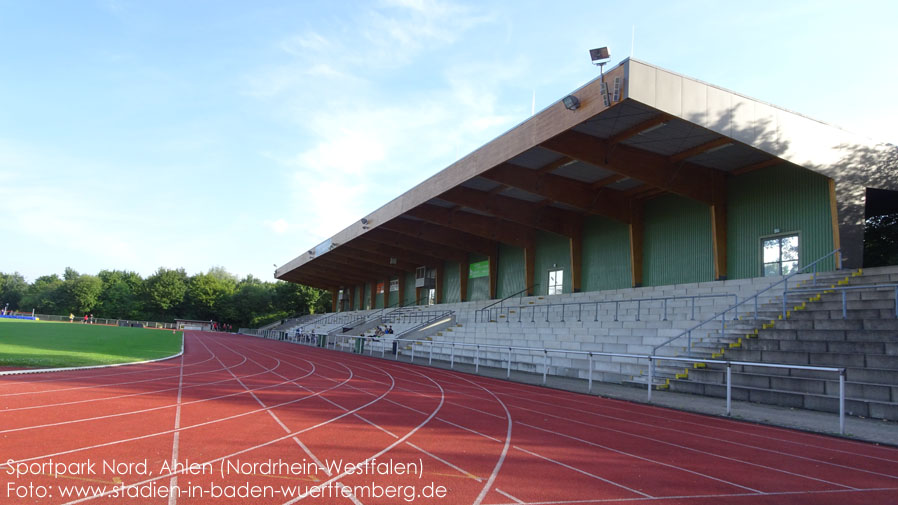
652, 235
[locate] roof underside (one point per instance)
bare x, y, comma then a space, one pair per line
599, 160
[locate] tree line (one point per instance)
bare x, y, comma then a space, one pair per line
163, 296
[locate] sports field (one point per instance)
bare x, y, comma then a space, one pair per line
34, 344
240, 420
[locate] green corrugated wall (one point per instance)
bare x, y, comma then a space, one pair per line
378, 297
551, 249
451, 288
511, 271
479, 288
606, 254
677, 242
783, 197
409, 293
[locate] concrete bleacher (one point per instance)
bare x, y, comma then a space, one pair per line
639, 327
864, 342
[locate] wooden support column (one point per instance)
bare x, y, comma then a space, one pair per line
373, 299
834, 214
719, 225
577, 259
351, 297
402, 290
637, 230
387, 293
529, 267
494, 271
463, 280
439, 283
334, 292
418, 295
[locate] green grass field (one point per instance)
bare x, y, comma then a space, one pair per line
37, 344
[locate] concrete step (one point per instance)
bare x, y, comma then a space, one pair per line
853, 390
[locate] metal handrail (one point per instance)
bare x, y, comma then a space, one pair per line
652, 359
596, 304
844, 290
516, 293
438, 317
735, 307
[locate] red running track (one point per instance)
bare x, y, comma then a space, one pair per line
245, 420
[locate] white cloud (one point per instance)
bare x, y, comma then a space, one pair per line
279, 226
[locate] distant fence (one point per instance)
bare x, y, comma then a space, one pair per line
110, 322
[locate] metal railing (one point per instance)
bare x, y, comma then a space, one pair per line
109, 321
489, 312
418, 316
844, 297
340, 341
518, 294
755, 297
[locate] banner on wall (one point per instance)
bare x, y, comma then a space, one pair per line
380, 288
479, 269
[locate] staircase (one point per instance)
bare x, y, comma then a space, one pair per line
813, 332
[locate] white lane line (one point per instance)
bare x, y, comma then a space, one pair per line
703, 496
243, 451
665, 442
510, 497
584, 472
443, 461
677, 468
173, 484
160, 433
643, 411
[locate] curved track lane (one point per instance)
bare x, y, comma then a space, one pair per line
244, 420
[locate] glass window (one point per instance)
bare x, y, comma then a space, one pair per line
556, 282
780, 255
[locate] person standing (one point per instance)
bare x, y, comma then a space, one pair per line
71, 317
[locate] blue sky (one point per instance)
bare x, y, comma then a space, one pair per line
140, 134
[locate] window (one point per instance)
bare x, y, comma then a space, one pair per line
780, 255
556, 282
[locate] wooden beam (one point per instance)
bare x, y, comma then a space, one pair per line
529, 267
607, 181
334, 273
375, 262
494, 272
440, 235
719, 225
558, 221
550, 167
339, 264
387, 293
463, 280
682, 178
637, 231
757, 166
699, 149
482, 226
639, 128
834, 215
351, 297
604, 201
576, 242
408, 243
438, 283
334, 300
373, 299
410, 258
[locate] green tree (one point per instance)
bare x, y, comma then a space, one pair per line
12, 288
208, 294
83, 293
164, 292
120, 296
45, 295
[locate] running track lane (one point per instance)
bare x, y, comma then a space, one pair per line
238, 400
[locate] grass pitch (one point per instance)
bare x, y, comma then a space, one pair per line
35, 344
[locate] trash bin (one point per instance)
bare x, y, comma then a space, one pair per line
359, 345
395, 348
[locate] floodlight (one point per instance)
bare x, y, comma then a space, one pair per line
599, 54
364, 220
571, 102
